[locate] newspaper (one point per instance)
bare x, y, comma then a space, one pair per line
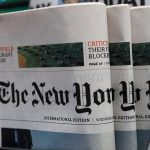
141, 57
55, 88
119, 31
112, 2
130, 2
43, 3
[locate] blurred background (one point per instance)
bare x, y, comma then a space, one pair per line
13, 5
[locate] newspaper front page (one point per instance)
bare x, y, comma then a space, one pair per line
141, 58
119, 33
55, 88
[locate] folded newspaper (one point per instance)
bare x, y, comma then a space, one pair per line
119, 31
141, 58
55, 88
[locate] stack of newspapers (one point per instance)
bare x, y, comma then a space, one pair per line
75, 77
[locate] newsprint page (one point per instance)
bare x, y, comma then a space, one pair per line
130, 2
55, 89
141, 58
42, 3
119, 33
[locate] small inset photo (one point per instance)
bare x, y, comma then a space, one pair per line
141, 54
119, 54
56, 55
